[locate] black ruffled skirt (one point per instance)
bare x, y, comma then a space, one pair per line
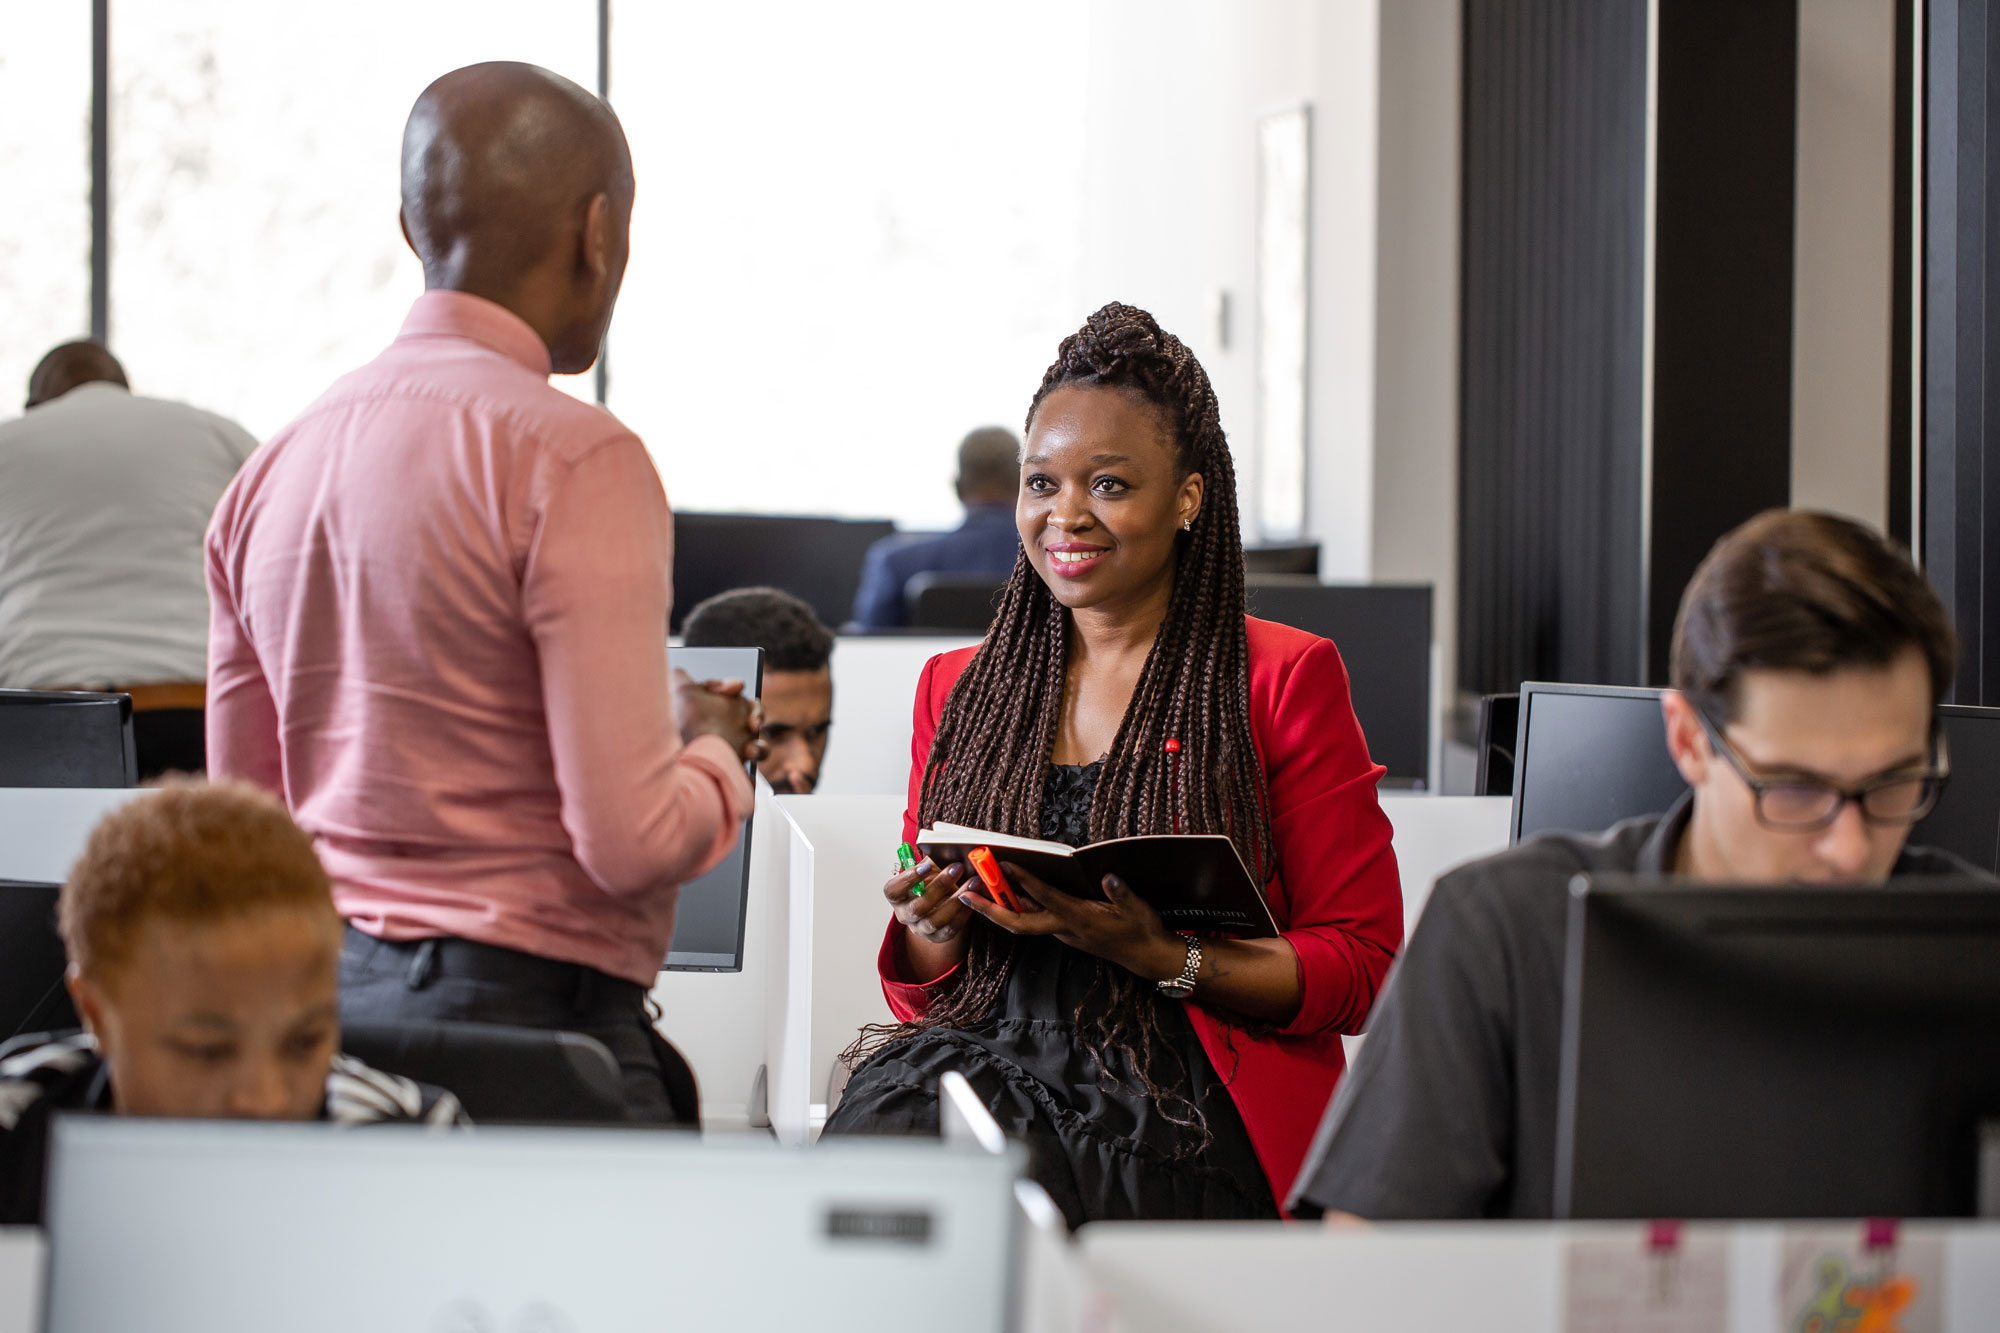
1096, 1142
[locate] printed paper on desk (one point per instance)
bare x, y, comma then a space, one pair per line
1835, 1281
1626, 1281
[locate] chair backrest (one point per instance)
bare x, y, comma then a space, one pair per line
951, 603
817, 560
500, 1074
59, 738
32, 961
1383, 632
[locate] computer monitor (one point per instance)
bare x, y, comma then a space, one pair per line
1383, 632
1588, 756
708, 927
32, 961
1777, 1052
1499, 723
816, 559
179, 1227
60, 738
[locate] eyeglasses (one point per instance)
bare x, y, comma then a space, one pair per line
1801, 805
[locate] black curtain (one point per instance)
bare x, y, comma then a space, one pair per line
1550, 438
1961, 365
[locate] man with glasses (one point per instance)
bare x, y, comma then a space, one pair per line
1808, 659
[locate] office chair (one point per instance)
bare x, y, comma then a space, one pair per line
32, 962
500, 1074
959, 603
62, 738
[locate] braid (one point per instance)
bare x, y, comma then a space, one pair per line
989, 759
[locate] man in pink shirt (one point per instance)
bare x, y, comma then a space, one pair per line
439, 607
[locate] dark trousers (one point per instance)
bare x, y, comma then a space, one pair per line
453, 980
169, 740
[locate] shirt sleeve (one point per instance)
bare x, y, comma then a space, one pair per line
644, 812
1422, 1125
909, 999
1343, 905
240, 718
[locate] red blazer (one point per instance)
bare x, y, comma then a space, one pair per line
1336, 894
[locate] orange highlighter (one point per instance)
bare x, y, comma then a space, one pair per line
988, 870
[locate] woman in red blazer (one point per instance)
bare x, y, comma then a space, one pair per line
1122, 690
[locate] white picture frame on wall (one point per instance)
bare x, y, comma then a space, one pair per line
1284, 318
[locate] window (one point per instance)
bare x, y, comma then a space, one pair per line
857, 236
255, 253
45, 161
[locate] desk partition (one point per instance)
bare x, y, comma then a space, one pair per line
874, 689
735, 1028
1516, 1277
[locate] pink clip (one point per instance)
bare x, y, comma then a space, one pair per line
1663, 1236
1880, 1234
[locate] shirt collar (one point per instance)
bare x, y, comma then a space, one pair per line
449, 314
1656, 854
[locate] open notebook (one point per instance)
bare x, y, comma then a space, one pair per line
1197, 882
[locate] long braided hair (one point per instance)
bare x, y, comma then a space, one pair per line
990, 756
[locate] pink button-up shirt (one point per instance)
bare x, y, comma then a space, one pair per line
438, 627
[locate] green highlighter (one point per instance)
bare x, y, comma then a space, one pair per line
906, 859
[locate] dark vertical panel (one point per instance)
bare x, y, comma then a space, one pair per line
1725, 163
100, 170
1961, 299
1552, 345
1901, 333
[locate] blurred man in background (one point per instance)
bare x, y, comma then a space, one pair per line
104, 496
989, 468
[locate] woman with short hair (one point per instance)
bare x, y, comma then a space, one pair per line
1122, 690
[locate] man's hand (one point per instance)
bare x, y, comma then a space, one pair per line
718, 708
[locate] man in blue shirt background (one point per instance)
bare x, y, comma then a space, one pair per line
989, 467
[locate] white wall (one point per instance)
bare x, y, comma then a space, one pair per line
1415, 537
1177, 87
1843, 257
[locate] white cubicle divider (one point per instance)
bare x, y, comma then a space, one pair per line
853, 849
854, 838
22, 1256
1498, 1277
874, 690
43, 829
1433, 834
723, 1022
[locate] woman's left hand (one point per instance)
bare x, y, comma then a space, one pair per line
1124, 929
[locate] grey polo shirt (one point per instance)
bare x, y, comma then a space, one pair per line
1450, 1109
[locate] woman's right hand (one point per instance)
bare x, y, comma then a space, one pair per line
925, 900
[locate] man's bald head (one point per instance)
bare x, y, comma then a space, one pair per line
517, 186
989, 466
71, 365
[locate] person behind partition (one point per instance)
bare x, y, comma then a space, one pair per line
1122, 690
797, 696
104, 497
986, 542
1808, 659
438, 603
204, 958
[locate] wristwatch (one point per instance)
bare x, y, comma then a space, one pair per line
1182, 986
